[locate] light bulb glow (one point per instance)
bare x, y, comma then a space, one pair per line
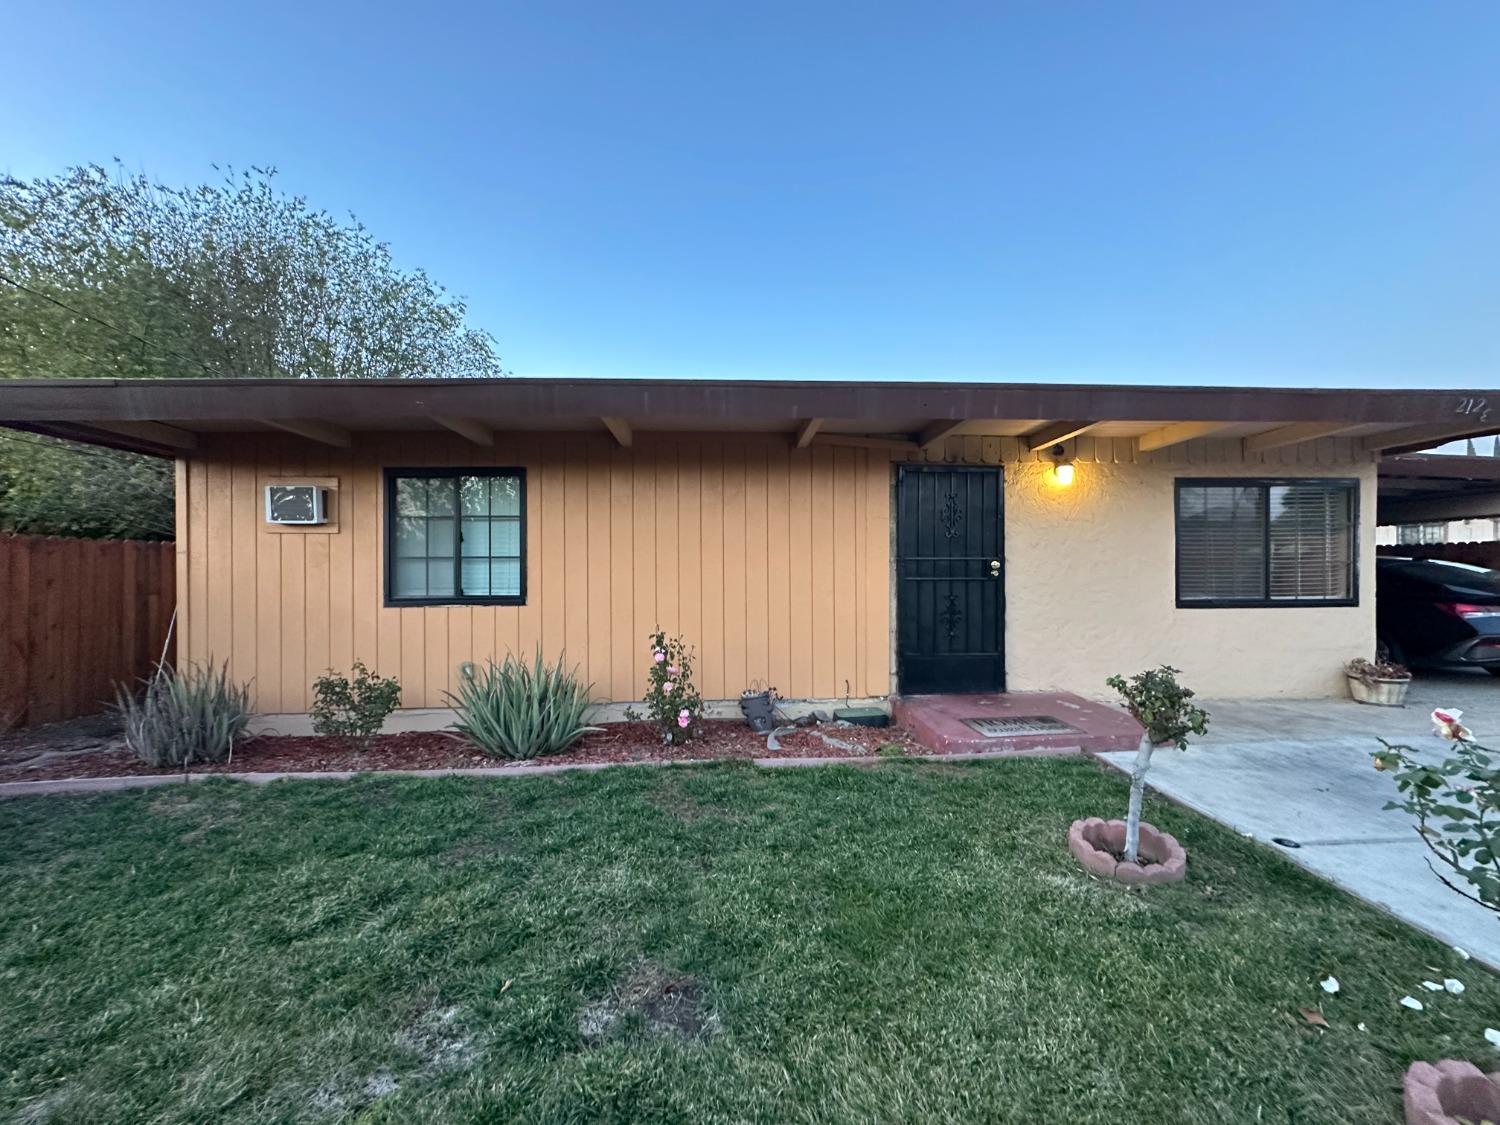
1064, 472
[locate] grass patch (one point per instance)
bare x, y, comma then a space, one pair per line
697, 944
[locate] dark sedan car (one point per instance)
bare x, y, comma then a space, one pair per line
1436, 614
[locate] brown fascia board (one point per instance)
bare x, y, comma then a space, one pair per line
1440, 467
715, 404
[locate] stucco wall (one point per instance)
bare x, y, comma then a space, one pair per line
1091, 584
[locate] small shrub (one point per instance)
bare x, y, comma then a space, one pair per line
1457, 805
514, 711
354, 709
672, 702
1161, 705
185, 715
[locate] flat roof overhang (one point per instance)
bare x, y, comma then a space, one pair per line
166, 416
1434, 488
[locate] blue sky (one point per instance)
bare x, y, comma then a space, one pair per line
1276, 193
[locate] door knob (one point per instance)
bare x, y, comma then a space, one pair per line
994, 568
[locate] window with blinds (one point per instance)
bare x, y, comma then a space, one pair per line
1266, 542
455, 536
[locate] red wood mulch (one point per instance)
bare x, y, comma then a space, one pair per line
616, 742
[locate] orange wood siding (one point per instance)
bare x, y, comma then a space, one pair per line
773, 563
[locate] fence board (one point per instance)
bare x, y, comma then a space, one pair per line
77, 617
1486, 554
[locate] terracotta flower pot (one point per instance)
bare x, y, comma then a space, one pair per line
1449, 1092
1096, 843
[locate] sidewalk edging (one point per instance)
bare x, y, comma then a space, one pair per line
78, 785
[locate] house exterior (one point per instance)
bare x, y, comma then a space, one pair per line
830, 539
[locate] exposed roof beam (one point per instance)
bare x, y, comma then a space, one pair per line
1410, 439
313, 429
807, 431
468, 428
621, 429
1465, 506
1176, 434
157, 433
1292, 434
861, 441
1054, 433
939, 431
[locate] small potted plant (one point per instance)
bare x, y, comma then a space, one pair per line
1379, 682
1130, 850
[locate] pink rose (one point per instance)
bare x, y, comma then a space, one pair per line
683, 719
672, 668
1449, 724
658, 656
667, 687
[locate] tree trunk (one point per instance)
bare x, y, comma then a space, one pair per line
1137, 791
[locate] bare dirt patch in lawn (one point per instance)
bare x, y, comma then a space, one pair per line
663, 1001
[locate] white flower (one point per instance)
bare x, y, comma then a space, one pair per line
1493, 1036
1449, 724
1361, 1027
1432, 986
1454, 986
1411, 1002
1463, 954
1329, 984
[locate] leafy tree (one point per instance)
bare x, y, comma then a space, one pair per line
112, 275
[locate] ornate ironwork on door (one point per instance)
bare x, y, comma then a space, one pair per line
950, 582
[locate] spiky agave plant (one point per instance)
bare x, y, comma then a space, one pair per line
185, 715
514, 710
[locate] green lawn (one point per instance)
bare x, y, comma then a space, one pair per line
896, 943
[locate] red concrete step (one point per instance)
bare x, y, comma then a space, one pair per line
1017, 722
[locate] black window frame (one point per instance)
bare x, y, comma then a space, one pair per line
1265, 483
388, 538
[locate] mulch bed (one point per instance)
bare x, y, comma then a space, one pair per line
616, 742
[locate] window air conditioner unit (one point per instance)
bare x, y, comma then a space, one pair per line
295, 503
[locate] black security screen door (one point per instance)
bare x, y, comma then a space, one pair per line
950, 585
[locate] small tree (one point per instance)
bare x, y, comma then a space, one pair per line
354, 709
1161, 705
1461, 794
671, 699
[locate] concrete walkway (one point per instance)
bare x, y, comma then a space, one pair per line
1302, 771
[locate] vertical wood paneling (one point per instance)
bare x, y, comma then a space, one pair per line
576, 542
846, 512
799, 568
626, 642
689, 543
599, 616
757, 624
778, 552
643, 546
773, 563
825, 531
711, 523
668, 560
734, 663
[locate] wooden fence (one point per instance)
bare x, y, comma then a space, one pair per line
1475, 554
78, 616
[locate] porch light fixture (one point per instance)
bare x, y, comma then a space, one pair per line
1062, 468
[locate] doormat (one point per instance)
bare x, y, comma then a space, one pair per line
1021, 724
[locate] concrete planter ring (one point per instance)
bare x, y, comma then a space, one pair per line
1097, 844
1450, 1092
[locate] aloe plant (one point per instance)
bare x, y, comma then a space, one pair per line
512, 710
185, 715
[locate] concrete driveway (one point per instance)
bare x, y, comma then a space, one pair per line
1302, 771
